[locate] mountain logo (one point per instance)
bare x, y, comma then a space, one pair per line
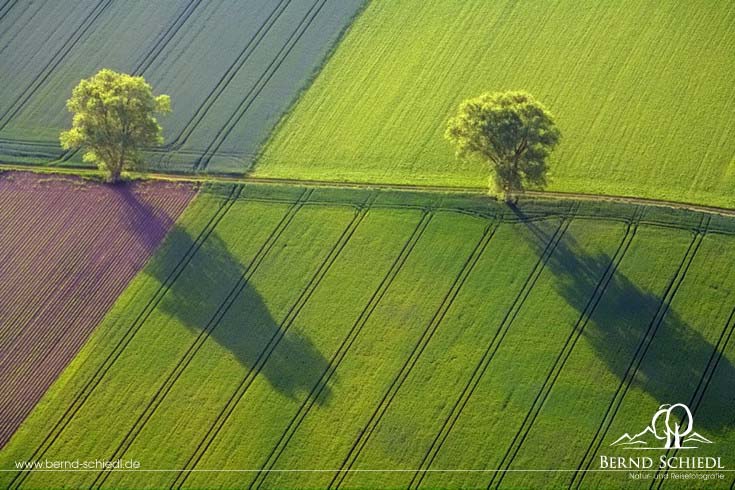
671, 423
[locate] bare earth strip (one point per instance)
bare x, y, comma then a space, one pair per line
68, 248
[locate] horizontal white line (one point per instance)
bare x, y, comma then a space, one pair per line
376, 471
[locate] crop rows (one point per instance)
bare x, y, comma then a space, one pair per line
223, 105
63, 267
382, 119
298, 329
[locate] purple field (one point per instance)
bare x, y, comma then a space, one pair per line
68, 248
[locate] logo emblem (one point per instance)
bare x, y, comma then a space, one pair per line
672, 424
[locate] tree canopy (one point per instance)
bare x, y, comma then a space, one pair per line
113, 120
511, 132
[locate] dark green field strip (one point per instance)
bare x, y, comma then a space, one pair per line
583, 252
40, 60
572, 410
264, 19
629, 375
419, 409
374, 361
245, 337
698, 319
255, 64
168, 330
252, 419
120, 38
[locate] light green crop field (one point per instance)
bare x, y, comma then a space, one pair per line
282, 328
643, 92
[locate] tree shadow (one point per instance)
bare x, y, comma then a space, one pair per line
210, 297
673, 367
147, 224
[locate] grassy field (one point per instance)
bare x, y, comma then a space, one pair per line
231, 69
643, 92
294, 328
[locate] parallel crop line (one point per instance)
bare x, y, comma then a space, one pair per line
17, 326
9, 4
55, 60
74, 309
566, 351
367, 431
23, 268
259, 85
229, 75
203, 335
343, 349
142, 317
717, 353
639, 355
272, 344
166, 37
149, 57
488, 355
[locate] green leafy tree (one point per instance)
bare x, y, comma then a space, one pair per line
113, 120
511, 132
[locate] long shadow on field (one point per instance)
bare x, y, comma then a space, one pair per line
674, 364
201, 298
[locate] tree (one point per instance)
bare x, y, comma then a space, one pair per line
511, 132
113, 120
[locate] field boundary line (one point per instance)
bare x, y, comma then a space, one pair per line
343, 348
225, 80
275, 64
710, 368
574, 335
81, 170
81, 397
436, 320
67, 46
203, 335
481, 367
640, 353
293, 313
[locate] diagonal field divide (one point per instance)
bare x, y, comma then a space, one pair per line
413, 358
631, 371
343, 349
717, 353
66, 47
220, 313
259, 85
97, 377
227, 77
566, 351
489, 353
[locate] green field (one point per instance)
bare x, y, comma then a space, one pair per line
231, 68
643, 92
325, 329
